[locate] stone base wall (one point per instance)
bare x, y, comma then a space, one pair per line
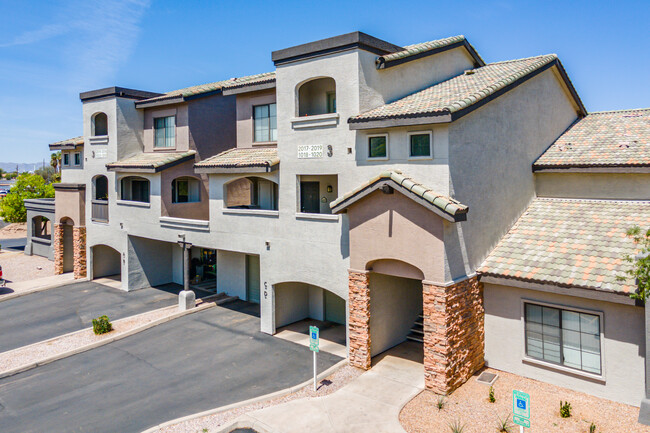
57, 238
454, 334
79, 251
359, 320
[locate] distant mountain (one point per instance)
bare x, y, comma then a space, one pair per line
22, 166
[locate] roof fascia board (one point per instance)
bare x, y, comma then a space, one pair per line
580, 292
624, 169
119, 92
332, 45
65, 146
380, 183
149, 169
402, 121
478, 61
227, 170
69, 186
248, 88
169, 101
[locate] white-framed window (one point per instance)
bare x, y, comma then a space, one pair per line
77, 158
66, 159
265, 123
378, 146
564, 336
420, 144
164, 132
185, 190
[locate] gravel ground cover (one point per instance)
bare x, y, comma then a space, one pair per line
213, 423
16, 266
39, 351
13, 230
469, 405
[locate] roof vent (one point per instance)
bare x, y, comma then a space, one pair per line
470, 72
233, 79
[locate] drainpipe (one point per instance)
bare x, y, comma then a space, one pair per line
644, 411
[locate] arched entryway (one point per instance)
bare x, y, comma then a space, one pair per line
67, 241
106, 262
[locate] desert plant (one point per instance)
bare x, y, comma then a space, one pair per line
639, 270
102, 325
441, 402
456, 426
592, 428
565, 409
491, 398
503, 425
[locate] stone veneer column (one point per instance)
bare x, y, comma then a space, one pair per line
359, 321
58, 248
454, 334
79, 251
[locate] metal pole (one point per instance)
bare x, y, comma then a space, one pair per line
315, 371
186, 268
521, 429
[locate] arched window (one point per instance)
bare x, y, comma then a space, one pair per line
185, 190
252, 193
99, 124
134, 188
101, 188
317, 97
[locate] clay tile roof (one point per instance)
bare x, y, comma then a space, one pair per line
445, 206
251, 160
423, 48
70, 143
460, 92
570, 243
604, 139
188, 92
151, 162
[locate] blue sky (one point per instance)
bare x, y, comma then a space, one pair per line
50, 51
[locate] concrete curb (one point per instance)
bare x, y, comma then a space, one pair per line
117, 337
253, 400
40, 289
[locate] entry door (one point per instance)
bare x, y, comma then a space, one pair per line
334, 308
309, 197
253, 279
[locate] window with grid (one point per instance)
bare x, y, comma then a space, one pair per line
165, 131
265, 123
563, 337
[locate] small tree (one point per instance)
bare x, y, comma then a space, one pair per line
640, 270
12, 207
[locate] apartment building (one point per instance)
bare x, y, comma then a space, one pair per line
401, 192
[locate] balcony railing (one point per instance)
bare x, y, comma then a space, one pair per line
100, 210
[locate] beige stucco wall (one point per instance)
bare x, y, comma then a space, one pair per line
245, 104
621, 186
622, 350
71, 204
198, 210
491, 152
392, 226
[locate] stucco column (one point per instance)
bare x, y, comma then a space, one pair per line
454, 336
79, 251
359, 320
57, 238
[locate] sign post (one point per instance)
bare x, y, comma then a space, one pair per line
313, 346
521, 409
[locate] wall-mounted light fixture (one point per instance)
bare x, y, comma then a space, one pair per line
329, 188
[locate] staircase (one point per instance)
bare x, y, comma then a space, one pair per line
417, 331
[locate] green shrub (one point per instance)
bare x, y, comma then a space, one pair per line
456, 426
102, 325
565, 409
441, 402
491, 398
592, 428
503, 424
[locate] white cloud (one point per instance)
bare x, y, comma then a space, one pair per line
46, 32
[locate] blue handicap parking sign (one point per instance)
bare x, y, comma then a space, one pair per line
313, 335
521, 404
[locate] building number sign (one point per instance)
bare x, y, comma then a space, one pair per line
306, 151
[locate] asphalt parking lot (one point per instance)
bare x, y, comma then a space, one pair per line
191, 364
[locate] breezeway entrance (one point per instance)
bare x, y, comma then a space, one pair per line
106, 262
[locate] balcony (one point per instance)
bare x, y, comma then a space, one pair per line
100, 211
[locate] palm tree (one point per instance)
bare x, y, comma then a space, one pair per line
55, 161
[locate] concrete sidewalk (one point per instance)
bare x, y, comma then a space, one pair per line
36, 285
371, 403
